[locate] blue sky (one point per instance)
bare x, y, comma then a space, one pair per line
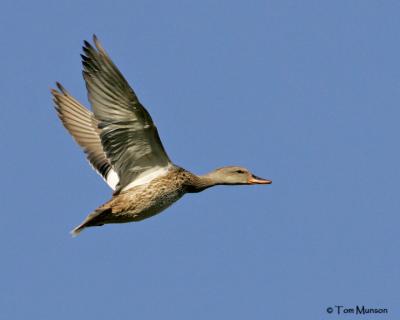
305, 93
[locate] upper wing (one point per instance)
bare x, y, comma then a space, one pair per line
127, 132
82, 125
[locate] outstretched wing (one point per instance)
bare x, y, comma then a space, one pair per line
82, 125
127, 132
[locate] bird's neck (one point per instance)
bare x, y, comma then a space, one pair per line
200, 183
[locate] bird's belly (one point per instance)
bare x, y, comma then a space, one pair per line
154, 206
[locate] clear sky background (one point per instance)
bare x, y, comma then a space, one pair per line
306, 93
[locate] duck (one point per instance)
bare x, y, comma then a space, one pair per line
122, 144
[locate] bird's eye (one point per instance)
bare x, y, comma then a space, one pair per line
239, 171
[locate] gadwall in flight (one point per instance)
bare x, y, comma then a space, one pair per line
122, 144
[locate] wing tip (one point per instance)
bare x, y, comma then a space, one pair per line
98, 45
88, 46
60, 89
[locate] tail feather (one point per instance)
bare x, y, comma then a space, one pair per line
76, 231
94, 219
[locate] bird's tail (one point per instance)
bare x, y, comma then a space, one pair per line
96, 218
77, 230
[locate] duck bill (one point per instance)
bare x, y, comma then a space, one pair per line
257, 180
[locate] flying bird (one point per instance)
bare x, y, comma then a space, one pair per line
122, 144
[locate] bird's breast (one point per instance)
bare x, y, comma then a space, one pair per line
146, 201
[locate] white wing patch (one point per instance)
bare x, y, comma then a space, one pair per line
112, 179
147, 176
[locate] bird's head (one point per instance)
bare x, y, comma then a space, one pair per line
235, 175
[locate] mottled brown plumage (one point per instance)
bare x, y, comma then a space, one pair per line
142, 201
123, 146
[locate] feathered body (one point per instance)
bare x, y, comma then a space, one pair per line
143, 201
